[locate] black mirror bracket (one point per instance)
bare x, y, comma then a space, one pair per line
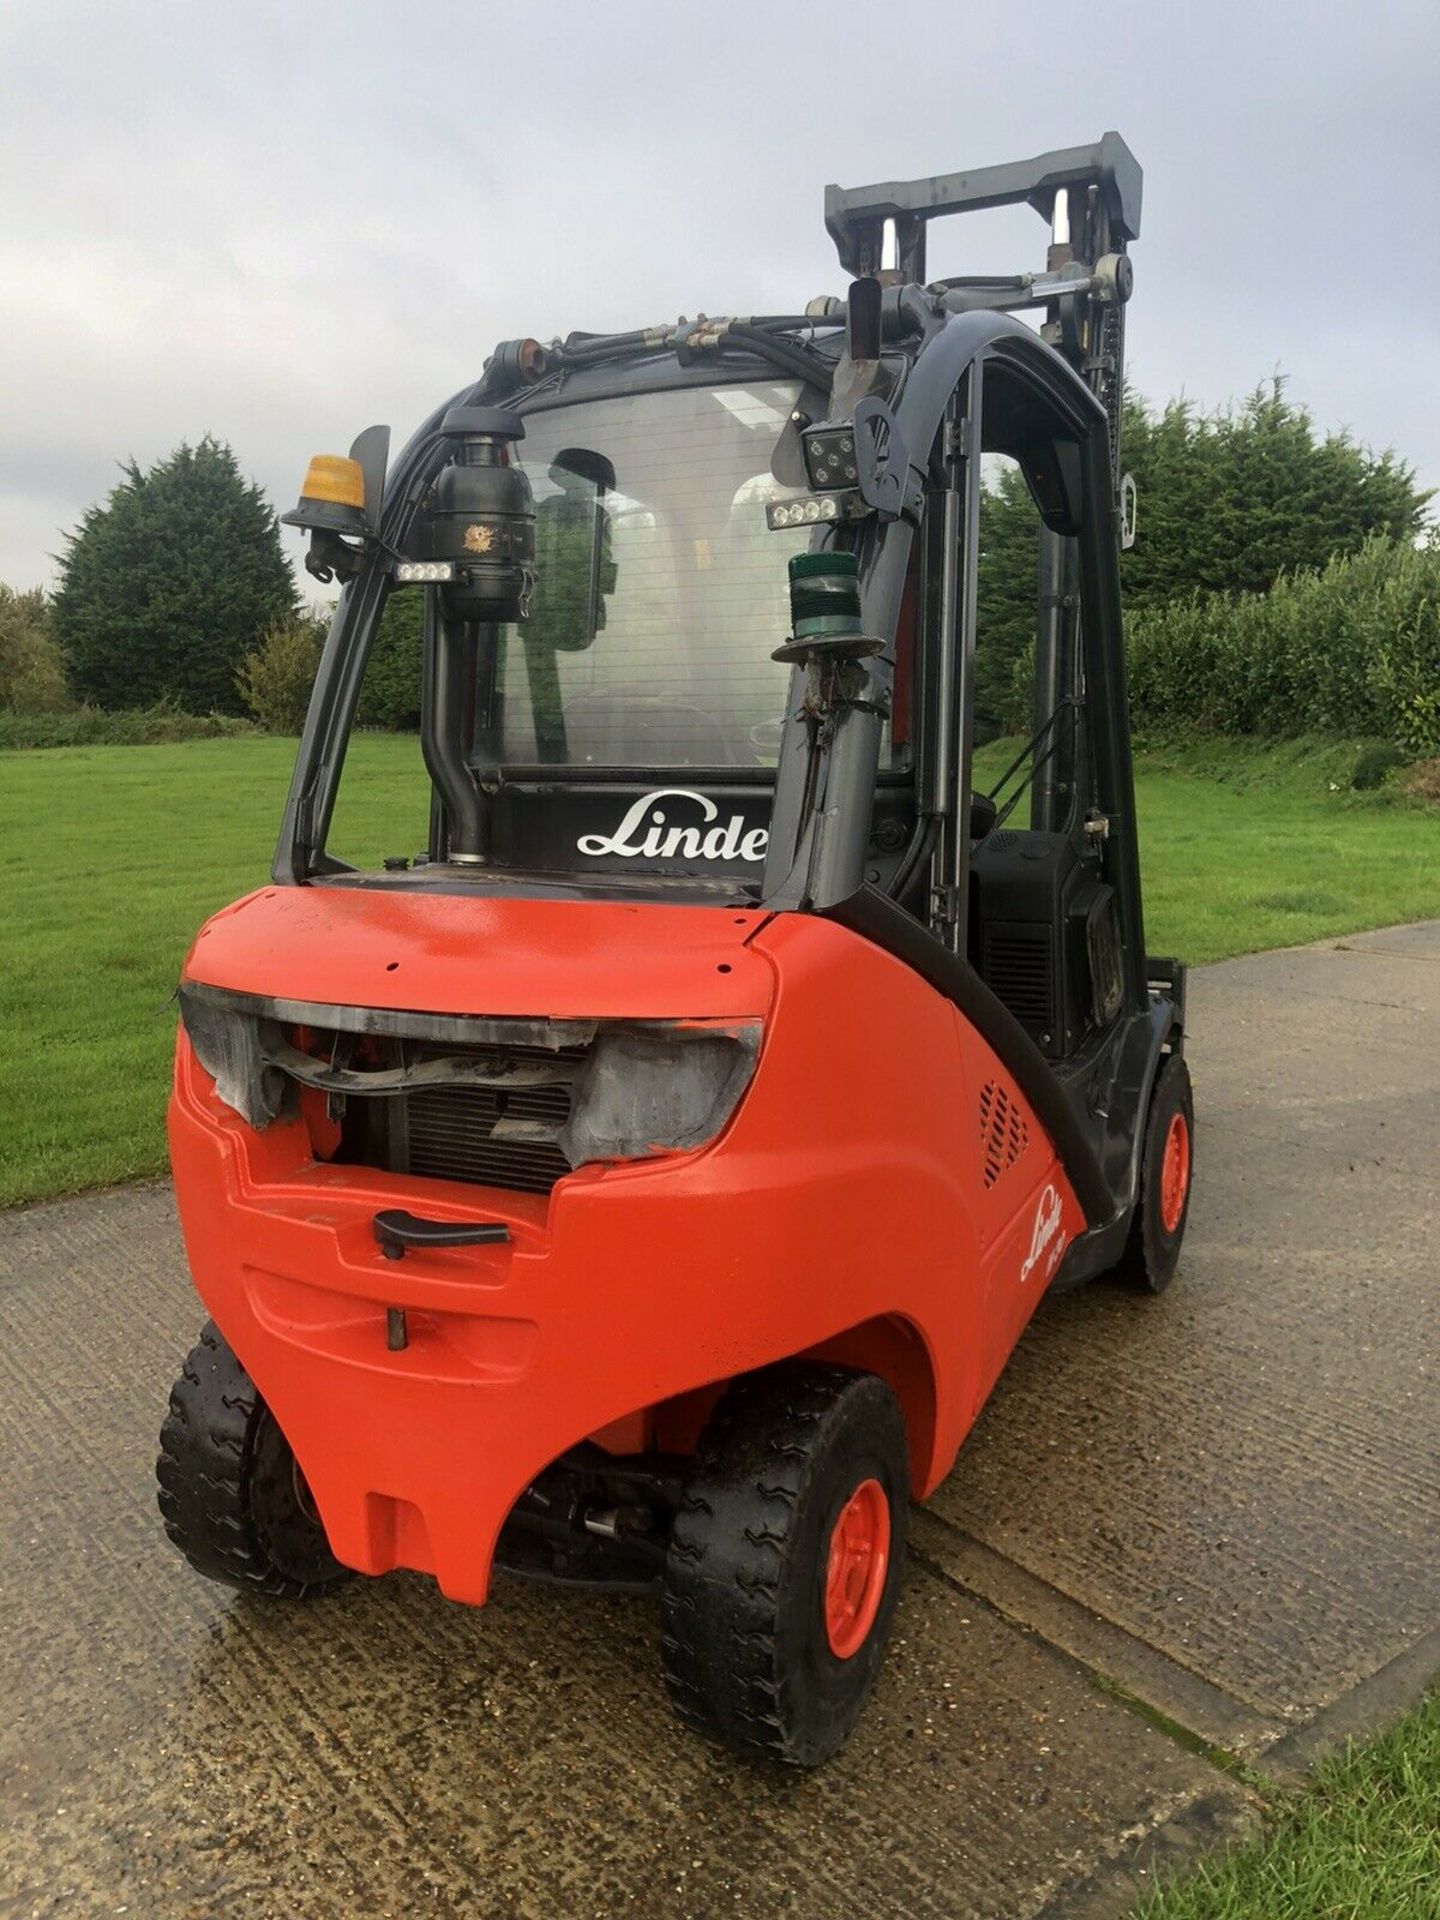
328, 557
888, 480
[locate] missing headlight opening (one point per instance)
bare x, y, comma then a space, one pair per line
511, 1103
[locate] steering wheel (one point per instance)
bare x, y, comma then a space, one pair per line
765, 737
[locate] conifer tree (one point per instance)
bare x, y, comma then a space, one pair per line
168, 584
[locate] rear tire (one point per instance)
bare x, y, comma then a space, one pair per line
784, 1563
231, 1492
1167, 1167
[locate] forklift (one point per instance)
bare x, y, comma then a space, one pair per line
644, 1185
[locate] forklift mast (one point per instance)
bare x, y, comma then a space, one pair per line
1090, 198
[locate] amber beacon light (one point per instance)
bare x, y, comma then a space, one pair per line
332, 499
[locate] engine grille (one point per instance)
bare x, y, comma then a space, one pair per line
450, 1135
483, 1136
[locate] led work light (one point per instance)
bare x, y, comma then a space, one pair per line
830, 457
801, 513
830, 510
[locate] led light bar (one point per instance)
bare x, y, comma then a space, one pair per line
801, 513
409, 573
829, 510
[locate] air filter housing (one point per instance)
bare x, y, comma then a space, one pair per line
483, 517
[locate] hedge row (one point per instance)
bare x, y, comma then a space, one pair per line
135, 727
1353, 649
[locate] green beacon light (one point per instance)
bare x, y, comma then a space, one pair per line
825, 610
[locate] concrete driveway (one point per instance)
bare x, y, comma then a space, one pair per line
1185, 1532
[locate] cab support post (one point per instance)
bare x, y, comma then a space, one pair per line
959, 587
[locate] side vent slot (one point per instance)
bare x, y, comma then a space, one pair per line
1003, 1134
1019, 968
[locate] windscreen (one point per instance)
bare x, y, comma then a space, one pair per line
660, 593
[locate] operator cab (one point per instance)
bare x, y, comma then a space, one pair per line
700, 625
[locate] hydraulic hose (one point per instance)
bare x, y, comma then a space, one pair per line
922, 840
601, 346
796, 322
813, 368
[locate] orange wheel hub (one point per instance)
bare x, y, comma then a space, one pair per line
1175, 1173
855, 1576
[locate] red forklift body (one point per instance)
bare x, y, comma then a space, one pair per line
643, 1184
848, 1210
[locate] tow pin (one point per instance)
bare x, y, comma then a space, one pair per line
397, 1334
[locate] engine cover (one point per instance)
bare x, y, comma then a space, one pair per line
1044, 936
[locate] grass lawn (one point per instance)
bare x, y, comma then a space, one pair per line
114, 856
1362, 1840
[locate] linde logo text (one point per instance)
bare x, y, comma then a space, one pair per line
646, 832
1045, 1230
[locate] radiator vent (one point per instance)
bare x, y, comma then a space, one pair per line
485, 1136
460, 1133
1003, 1134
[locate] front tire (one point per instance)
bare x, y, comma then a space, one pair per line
784, 1564
1167, 1168
231, 1492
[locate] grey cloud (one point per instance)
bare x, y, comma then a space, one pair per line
279, 224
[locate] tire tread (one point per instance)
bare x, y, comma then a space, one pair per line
203, 1474
1150, 1257
732, 1539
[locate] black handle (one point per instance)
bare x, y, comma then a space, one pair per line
396, 1230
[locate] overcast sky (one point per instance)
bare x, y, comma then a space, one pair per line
278, 223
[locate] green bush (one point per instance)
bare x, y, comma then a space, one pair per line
1405, 672
136, 727
390, 691
275, 680
1353, 649
32, 673
1228, 502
